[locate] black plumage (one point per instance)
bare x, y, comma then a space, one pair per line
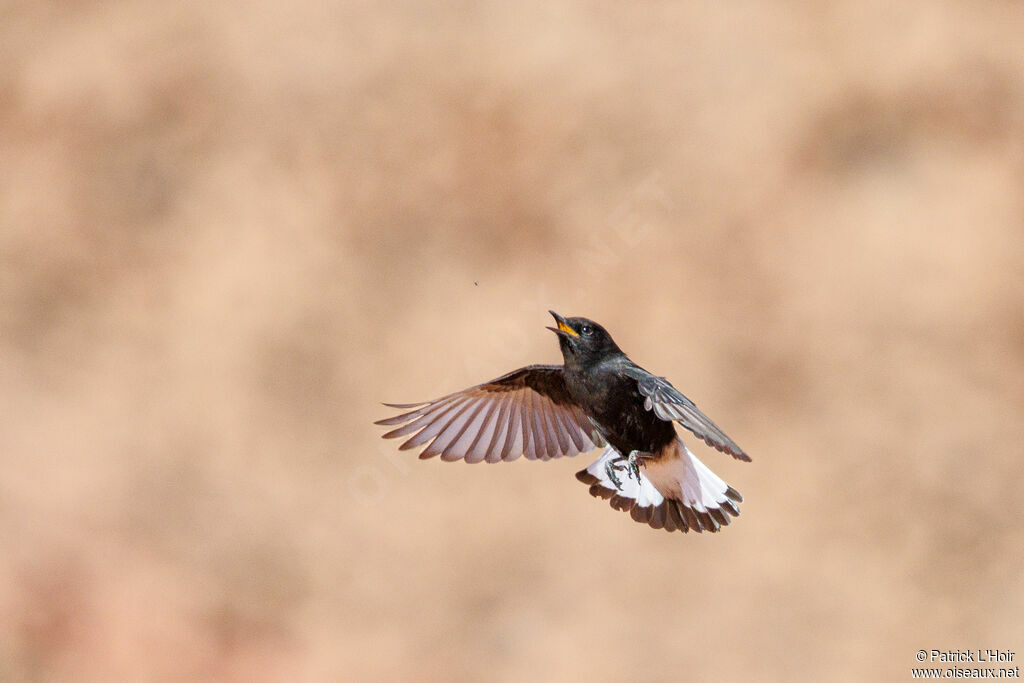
599, 397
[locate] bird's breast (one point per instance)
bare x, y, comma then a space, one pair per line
613, 401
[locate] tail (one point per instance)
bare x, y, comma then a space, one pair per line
675, 492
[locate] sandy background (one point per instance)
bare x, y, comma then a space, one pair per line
229, 230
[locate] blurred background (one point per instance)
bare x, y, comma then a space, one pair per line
228, 231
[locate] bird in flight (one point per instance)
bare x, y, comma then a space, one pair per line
599, 398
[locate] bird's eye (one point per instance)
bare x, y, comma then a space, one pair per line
586, 330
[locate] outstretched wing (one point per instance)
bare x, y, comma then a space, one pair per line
526, 412
668, 404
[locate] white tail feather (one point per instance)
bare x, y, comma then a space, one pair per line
677, 475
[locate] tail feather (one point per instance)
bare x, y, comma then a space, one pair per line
675, 492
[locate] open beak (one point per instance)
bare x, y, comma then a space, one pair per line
563, 328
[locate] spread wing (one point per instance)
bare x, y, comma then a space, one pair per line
668, 404
526, 412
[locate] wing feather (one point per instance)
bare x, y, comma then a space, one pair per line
670, 405
499, 433
526, 412
433, 424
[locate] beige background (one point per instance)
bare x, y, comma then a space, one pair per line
229, 230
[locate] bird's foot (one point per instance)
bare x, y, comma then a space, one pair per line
631, 466
609, 469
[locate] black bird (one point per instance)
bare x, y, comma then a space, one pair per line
599, 398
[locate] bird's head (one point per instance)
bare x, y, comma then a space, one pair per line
582, 341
